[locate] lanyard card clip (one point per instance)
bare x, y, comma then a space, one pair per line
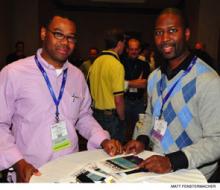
57, 119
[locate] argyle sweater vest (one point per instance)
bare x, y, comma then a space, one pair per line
180, 110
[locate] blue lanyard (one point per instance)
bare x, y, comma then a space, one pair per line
164, 100
56, 101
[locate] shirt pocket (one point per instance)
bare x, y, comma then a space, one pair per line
71, 105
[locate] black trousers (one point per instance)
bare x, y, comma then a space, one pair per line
3, 178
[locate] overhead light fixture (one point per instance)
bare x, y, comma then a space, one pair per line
119, 1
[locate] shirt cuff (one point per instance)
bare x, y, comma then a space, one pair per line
178, 160
96, 140
9, 157
126, 85
145, 140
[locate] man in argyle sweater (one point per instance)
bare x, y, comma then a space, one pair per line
182, 120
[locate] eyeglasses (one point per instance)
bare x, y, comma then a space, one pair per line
61, 36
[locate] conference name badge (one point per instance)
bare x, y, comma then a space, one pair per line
60, 139
159, 129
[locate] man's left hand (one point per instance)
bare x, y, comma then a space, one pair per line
112, 147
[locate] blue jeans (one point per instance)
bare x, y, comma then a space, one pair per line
132, 110
110, 123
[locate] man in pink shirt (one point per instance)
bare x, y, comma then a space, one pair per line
44, 100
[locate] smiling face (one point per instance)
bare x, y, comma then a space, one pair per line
170, 36
56, 51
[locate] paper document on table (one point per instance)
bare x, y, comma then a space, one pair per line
124, 168
91, 173
105, 171
120, 164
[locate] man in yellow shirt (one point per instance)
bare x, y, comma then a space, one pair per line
106, 80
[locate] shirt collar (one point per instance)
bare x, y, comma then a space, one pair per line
46, 64
172, 73
113, 52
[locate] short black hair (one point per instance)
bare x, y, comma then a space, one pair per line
178, 13
51, 16
113, 36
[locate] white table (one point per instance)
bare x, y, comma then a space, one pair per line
61, 168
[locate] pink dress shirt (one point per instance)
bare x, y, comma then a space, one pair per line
27, 105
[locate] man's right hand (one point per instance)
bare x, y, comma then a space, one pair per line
24, 171
133, 146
